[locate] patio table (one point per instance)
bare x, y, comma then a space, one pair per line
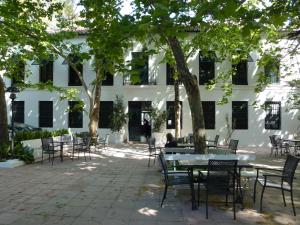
200, 161
185, 145
174, 150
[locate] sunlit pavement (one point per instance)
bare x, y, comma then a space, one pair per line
116, 187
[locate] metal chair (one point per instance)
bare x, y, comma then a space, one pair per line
285, 180
82, 145
275, 146
233, 145
172, 178
103, 142
212, 143
220, 179
49, 148
152, 150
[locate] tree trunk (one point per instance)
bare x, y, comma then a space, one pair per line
192, 89
177, 109
3, 114
94, 110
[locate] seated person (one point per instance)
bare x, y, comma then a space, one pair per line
170, 141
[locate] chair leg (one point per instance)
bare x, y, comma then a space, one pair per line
84, 156
254, 191
206, 204
282, 191
52, 157
154, 159
164, 196
149, 161
90, 154
233, 201
42, 157
261, 198
294, 210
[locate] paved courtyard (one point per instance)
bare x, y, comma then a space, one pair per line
116, 187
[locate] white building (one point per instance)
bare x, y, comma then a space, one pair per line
253, 125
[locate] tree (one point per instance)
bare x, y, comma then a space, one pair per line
230, 28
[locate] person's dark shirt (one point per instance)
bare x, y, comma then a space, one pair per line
171, 144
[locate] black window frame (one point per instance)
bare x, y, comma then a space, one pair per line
240, 115
73, 79
240, 76
170, 105
46, 71
45, 113
272, 73
109, 80
273, 120
142, 70
170, 74
105, 119
75, 118
206, 68
18, 110
209, 113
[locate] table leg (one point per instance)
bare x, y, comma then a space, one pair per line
61, 151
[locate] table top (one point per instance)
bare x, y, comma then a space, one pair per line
206, 157
202, 163
292, 140
185, 145
179, 150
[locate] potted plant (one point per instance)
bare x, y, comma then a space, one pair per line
118, 120
158, 118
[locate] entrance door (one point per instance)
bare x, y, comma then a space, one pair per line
138, 111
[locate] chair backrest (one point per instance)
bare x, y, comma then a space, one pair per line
47, 143
151, 142
216, 139
164, 165
289, 169
233, 145
221, 175
87, 141
106, 139
273, 140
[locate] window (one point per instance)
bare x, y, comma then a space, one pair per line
46, 71
273, 111
19, 76
241, 73
75, 114
170, 74
18, 111
73, 76
106, 108
209, 114
171, 115
45, 114
139, 68
272, 71
206, 68
240, 115
109, 80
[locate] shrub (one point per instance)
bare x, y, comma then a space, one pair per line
4, 151
24, 153
29, 135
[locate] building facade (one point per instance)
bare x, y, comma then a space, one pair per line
252, 125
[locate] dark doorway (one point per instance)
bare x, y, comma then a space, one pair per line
138, 111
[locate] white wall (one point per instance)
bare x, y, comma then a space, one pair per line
255, 136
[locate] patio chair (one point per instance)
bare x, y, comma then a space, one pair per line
48, 147
274, 145
103, 142
284, 183
221, 180
172, 178
212, 143
153, 150
233, 145
81, 145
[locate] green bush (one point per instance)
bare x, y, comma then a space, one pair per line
24, 153
29, 135
4, 151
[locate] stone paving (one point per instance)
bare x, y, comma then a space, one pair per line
116, 187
